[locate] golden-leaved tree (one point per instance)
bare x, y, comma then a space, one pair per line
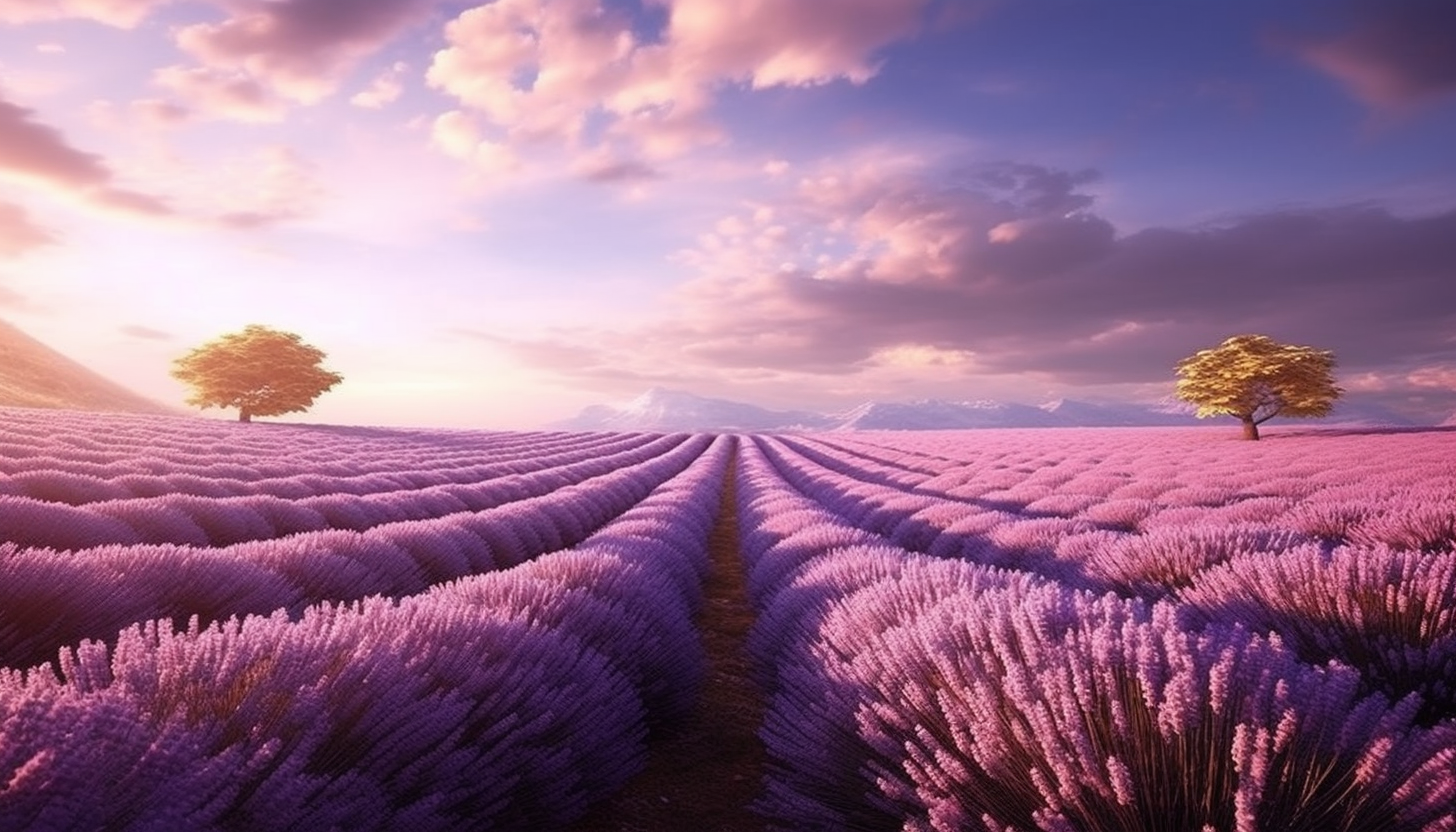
260, 370
1255, 378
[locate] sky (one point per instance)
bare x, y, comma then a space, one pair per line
493, 214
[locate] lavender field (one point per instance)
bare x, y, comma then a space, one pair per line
207, 625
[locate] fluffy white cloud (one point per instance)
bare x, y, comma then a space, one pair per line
385, 89
577, 72
456, 135
787, 42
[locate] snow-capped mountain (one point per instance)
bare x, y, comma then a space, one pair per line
660, 409
931, 414
1072, 413
1359, 414
673, 410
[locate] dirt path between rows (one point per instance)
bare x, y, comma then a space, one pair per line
704, 776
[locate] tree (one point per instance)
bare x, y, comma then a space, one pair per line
261, 371
1255, 378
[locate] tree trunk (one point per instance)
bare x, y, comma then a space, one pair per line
246, 415
1251, 428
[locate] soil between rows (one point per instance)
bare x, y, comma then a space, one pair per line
705, 774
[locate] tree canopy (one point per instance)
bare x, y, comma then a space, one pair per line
260, 370
1255, 378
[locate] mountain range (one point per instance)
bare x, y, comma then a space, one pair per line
661, 409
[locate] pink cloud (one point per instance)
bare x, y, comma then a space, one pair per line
121, 13
1370, 382
145, 333
457, 135
38, 152
156, 113
1398, 53
1440, 377
220, 93
300, 48
542, 70
18, 232
132, 202
604, 167
385, 89
788, 42
278, 186
535, 68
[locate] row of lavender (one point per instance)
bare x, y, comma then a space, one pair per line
1326, 594
944, 656
117, 444
53, 481
348, 481
50, 598
1366, 489
506, 700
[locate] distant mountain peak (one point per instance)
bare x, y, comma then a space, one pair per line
665, 409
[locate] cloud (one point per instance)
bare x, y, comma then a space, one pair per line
223, 94
146, 333
1397, 53
274, 185
19, 233
157, 113
383, 90
456, 135
1441, 377
1422, 391
120, 13
788, 42
132, 202
536, 68
566, 355
38, 152
581, 73
1007, 270
605, 167
301, 49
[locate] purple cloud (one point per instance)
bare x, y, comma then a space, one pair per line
1397, 53
38, 151
1009, 266
302, 48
